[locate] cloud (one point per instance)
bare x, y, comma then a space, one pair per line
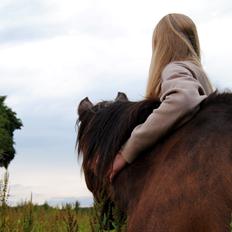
25, 20
38, 19
54, 53
216, 47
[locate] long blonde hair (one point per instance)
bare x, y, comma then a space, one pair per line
174, 38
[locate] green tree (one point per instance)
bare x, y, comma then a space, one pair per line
8, 124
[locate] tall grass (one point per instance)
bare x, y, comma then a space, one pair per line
29, 217
106, 216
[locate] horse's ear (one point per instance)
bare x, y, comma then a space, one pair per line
121, 97
84, 105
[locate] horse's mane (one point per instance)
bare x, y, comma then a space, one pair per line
218, 99
105, 127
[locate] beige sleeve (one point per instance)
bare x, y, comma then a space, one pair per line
180, 94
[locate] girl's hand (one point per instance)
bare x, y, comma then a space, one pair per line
118, 165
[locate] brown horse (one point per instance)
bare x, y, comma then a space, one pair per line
183, 183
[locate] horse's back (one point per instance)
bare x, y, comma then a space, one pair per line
189, 185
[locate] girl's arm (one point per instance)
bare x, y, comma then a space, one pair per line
181, 93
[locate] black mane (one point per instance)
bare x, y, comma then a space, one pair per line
217, 99
104, 129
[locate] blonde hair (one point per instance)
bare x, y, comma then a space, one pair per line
174, 38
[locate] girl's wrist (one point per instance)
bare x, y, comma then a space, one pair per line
121, 154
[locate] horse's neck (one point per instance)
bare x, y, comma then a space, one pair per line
130, 182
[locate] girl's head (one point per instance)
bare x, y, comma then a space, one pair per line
174, 38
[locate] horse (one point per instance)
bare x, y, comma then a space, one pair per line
181, 183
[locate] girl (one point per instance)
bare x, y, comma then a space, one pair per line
176, 77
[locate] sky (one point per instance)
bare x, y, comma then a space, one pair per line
53, 53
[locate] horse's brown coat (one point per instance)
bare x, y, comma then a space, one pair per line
183, 183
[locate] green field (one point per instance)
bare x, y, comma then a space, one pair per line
29, 217
35, 218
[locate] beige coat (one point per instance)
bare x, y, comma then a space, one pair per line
183, 87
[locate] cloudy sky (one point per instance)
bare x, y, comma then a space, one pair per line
53, 53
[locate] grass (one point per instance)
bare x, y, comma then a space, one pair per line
29, 217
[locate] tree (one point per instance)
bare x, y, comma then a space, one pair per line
8, 124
